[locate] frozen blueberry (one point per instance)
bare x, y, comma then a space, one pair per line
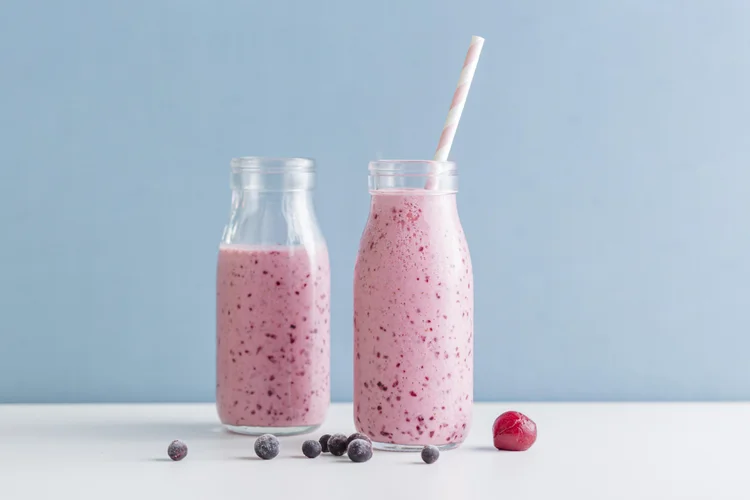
430, 454
177, 450
311, 448
337, 444
324, 442
359, 450
358, 435
267, 446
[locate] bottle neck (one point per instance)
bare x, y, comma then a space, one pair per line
394, 201
272, 218
272, 182
272, 203
256, 203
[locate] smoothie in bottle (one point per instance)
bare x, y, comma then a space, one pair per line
272, 302
413, 310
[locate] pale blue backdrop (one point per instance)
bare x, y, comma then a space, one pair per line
605, 182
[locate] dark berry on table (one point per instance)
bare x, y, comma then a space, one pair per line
311, 448
359, 450
337, 444
358, 435
267, 446
324, 442
430, 454
177, 450
513, 431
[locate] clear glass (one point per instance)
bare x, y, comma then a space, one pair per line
413, 311
272, 302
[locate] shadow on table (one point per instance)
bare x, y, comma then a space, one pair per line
130, 431
482, 448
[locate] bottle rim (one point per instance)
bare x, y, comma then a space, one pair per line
421, 168
271, 165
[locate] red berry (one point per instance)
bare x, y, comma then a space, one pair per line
513, 431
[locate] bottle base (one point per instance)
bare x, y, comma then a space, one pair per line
248, 430
411, 448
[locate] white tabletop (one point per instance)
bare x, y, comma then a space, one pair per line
584, 451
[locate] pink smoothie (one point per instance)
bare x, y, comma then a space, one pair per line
272, 327
413, 322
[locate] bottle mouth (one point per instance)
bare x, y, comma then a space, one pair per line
412, 168
265, 165
417, 177
255, 173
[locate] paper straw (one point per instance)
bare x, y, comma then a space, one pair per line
459, 99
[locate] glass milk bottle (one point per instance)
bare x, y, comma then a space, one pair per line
272, 302
413, 310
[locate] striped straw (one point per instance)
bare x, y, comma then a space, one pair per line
459, 99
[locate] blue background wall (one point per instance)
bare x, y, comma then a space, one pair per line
605, 156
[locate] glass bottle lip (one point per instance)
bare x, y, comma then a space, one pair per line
415, 177
273, 165
412, 168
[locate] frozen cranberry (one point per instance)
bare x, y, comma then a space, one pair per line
513, 431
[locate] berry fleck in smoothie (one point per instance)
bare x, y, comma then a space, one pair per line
413, 321
272, 328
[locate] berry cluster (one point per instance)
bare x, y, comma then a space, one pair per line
512, 431
357, 447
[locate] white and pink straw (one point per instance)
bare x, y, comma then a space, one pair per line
459, 99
